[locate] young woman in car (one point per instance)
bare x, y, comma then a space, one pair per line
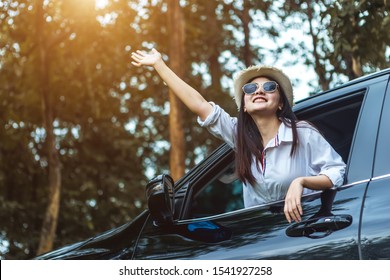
277, 157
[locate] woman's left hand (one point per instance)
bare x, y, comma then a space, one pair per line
292, 203
142, 58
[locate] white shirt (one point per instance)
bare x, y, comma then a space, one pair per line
314, 156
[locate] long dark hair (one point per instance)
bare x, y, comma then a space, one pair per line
249, 140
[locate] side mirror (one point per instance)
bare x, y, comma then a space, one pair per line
161, 199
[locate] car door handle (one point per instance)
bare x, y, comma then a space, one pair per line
319, 227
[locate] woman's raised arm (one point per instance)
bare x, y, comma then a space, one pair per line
188, 95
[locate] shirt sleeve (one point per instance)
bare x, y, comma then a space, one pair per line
220, 124
324, 159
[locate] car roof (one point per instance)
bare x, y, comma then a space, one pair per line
322, 96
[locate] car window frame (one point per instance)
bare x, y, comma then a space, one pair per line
360, 164
382, 152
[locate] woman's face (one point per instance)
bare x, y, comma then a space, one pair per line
262, 103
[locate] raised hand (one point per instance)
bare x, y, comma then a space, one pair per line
188, 95
141, 58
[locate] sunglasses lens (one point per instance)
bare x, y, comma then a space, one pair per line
269, 86
250, 88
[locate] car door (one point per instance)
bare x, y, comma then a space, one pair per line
375, 230
349, 118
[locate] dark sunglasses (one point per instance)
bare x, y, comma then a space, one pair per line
267, 87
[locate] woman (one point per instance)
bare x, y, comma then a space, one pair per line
276, 156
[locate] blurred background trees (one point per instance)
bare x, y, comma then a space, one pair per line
82, 131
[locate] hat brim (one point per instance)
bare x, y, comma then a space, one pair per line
252, 72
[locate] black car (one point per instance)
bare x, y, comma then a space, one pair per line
201, 216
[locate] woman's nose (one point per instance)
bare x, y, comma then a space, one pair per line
259, 90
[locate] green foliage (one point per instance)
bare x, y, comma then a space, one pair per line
350, 38
359, 30
101, 186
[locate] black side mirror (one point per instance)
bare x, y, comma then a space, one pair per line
161, 199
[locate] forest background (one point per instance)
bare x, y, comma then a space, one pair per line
82, 131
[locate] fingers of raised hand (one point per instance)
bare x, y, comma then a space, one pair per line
137, 57
141, 53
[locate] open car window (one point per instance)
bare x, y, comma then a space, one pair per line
336, 119
220, 195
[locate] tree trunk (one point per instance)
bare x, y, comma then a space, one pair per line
214, 65
54, 167
177, 62
248, 59
356, 66
318, 66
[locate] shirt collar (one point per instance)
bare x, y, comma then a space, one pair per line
284, 133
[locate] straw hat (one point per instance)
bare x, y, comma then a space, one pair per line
273, 73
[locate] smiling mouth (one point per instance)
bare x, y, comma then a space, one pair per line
261, 99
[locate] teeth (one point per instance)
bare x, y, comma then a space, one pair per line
259, 98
